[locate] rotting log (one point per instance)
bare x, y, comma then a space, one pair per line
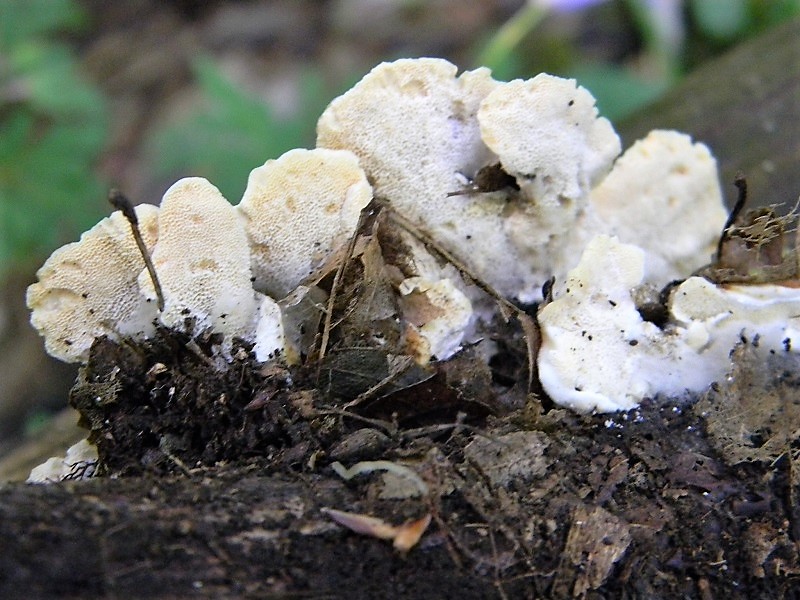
746, 107
602, 506
229, 535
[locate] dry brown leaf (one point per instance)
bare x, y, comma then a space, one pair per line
404, 537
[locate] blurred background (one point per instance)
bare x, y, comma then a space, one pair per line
137, 94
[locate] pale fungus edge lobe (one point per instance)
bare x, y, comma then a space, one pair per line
297, 210
89, 288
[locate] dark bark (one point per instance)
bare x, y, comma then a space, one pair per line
746, 107
234, 534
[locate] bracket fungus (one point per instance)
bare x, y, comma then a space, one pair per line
79, 462
663, 195
297, 210
421, 133
89, 288
203, 262
438, 313
549, 137
599, 354
500, 185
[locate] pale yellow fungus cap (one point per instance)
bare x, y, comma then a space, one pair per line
202, 260
89, 288
297, 211
439, 315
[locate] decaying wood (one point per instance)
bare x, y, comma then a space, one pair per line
610, 506
746, 107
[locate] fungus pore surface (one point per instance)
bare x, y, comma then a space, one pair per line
203, 262
89, 288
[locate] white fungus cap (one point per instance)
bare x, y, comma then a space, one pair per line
439, 314
202, 260
598, 354
413, 125
663, 195
419, 131
89, 288
82, 456
297, 210
548, 135
720, 316
587, 361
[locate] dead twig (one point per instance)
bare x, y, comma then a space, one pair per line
122, 204
337, 280
397, 370
741, 184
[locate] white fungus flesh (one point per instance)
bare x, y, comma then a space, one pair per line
422, 133
717, 317
203, 263
88, 289
549, 136
297, 210
413, 126
663, 195
270, 339
598, 354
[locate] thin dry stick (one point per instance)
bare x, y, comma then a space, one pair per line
389, 428
337, 279
404, 363
122, 204
741, 184
507, 308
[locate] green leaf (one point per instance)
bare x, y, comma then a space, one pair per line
47, 192
52, 130
721, 20
50, 76
24, 19
770, 13
619, 92
233, 132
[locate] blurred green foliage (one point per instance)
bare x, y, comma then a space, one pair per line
232, 132
667, 39
52, 129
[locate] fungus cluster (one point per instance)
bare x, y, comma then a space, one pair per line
518, 182
213, 260
599, 354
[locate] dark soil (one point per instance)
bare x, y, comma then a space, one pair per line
232, 469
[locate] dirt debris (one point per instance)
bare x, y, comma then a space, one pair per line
640, 504
675, 498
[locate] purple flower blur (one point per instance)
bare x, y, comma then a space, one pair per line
566, 5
